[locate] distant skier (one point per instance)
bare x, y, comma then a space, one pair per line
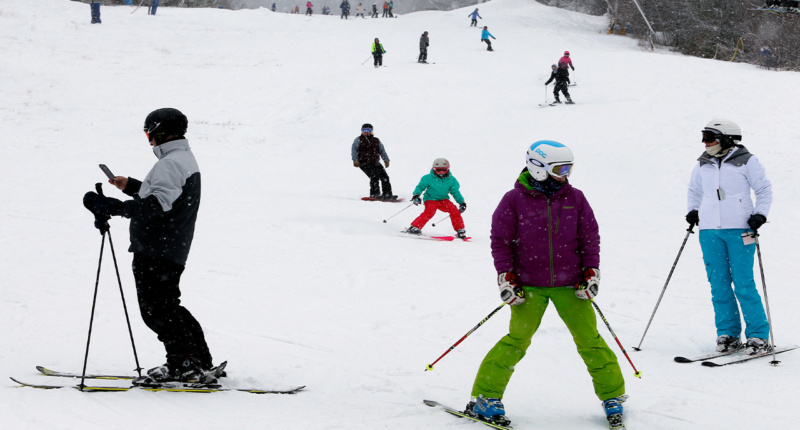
391, 6
366, 152
546, 248
273, 7
163, 213
359, 11
565, 62
474, 16
423, 48
309, 11
485, 35
385, 10
345, 6
297, 10
437, 186
561, 77
719, 203
374, 10
377, 52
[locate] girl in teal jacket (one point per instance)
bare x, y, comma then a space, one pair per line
438, 185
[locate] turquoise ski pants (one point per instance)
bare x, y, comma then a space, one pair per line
728, 260
498, 366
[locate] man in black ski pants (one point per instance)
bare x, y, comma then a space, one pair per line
424, 42
163, 214
562, 81
366, 152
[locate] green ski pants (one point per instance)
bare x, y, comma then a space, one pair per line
498, 366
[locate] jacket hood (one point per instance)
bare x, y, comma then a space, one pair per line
173, 145
738, 157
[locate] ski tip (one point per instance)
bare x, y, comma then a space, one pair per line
710, 364
431, 403
682, 360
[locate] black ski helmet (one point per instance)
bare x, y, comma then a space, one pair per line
163, 123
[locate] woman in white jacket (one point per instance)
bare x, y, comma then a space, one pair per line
719, 202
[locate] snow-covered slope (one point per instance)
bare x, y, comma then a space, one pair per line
297, 281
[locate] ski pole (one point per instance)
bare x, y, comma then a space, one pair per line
94, 301
430, 366
366, 60
401, 210
636, 373
124, 306
689, 231
774, 362
434, 224
545, 94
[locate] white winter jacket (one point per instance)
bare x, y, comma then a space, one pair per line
721, 195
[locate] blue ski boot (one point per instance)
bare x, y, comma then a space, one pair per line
490, 410
613, 409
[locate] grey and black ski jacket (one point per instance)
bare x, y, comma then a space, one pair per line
164, 208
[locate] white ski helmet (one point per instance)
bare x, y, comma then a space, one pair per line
548, 157
441, 166
728, 131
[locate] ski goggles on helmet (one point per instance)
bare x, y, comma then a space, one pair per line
441, 170
366, 130
710, 136
560, 170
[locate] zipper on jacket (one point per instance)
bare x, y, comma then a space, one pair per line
550, 240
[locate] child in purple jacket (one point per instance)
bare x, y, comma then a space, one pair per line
546, 247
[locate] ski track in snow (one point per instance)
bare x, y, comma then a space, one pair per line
296, 281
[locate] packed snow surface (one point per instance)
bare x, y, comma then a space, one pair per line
296, 281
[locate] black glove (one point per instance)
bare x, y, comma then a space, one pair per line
462, 207
693, 218
416, 200
101, 205
756, 221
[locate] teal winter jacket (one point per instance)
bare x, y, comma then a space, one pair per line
438, 188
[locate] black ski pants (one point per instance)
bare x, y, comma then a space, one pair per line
423, 54
309, 11
378, 62
376, 172
561, 86
158, 290
488, 43
474, 23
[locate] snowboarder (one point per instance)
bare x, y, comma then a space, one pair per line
385, 10
719, 203
374, 10
359, 11
163, 214
485, 35
423, 48
437, 186
565, 62
366, 152
391, 6
377, 52
309, 11
345, 6
474, 16
546, 247
273, 7
562, 82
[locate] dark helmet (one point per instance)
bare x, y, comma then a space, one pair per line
163, 123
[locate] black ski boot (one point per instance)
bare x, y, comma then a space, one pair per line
413, 230
757, 346
727, 343
461, 234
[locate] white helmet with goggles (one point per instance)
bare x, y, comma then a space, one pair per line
724, 130
548, 157
441, 166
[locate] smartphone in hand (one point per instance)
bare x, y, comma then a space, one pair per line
108, 173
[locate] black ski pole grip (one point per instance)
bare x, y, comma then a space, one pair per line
99, 187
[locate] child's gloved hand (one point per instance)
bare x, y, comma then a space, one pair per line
587, 288
510, 292
416, 200
462, 207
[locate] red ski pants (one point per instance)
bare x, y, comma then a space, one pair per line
431, 206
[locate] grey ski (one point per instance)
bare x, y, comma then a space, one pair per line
744, 358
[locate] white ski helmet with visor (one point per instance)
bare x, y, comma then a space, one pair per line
548, 157
726, 131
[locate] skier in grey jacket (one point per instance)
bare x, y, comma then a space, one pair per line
423, 48
163, 214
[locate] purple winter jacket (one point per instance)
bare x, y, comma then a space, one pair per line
546, 242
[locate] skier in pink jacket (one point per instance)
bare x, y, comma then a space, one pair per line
309, 11
565, 62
